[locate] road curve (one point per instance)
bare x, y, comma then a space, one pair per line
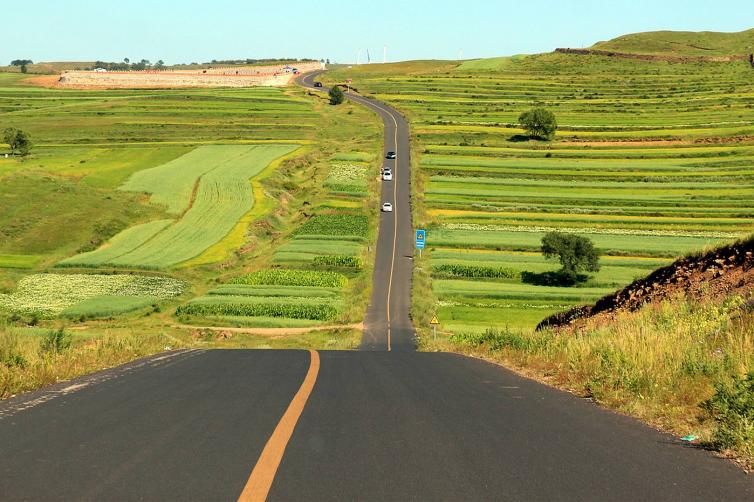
387, 324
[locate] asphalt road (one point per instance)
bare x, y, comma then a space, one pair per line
387, 325
340, 426
377, 426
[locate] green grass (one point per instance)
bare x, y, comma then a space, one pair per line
108, 306
682, 43
19, 261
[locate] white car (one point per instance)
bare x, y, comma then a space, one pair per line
387, 175
387, 207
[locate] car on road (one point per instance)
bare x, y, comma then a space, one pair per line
391, 155
387, 175
317, 84
387, 207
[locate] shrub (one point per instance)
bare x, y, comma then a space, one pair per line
10, 353
732, 409
55, 341
336, 95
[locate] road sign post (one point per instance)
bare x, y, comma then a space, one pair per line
421, 239
434, 322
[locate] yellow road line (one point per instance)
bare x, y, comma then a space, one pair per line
258, 486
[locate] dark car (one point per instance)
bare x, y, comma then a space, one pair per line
391, 155
317, 84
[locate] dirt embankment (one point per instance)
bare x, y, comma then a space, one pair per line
654, 57
720, 273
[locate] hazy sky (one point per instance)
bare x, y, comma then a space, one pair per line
202, 30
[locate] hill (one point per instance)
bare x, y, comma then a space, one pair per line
682, 43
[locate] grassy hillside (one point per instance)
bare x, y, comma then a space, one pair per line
682, 43
651, 160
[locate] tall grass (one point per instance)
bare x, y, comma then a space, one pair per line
661, 364
30, 361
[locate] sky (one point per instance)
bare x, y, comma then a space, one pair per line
183, 31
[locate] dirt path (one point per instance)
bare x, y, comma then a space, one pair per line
271, 331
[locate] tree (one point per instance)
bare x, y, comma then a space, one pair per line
539, 123
126, 60
24, 69
336, 95
159, 65
17, 140
21, 62
576, 254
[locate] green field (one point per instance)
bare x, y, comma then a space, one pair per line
212, 184
652, 160
210, 191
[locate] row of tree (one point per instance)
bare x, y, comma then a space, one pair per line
127, 65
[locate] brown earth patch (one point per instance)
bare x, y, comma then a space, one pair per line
715, 275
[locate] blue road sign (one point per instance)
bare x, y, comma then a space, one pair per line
421, 237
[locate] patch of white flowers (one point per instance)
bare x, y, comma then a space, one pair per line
50, 294
343, 172
605, 231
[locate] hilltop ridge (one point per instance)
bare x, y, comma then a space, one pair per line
681, 43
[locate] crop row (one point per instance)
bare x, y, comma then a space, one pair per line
474, 271
336, 224
234, 306
293, 277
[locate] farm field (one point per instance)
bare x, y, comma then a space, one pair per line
207, 186
208, 189
651, 160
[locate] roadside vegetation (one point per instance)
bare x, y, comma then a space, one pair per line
682, 365
94, 239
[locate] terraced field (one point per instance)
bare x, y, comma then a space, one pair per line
209, 189
651, 160
208, 183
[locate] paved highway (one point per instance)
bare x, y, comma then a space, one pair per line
369, 425
387, 325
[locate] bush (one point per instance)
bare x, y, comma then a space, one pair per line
55, 341
575, 253
18, 141
539, 123
732, 409
336, 95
